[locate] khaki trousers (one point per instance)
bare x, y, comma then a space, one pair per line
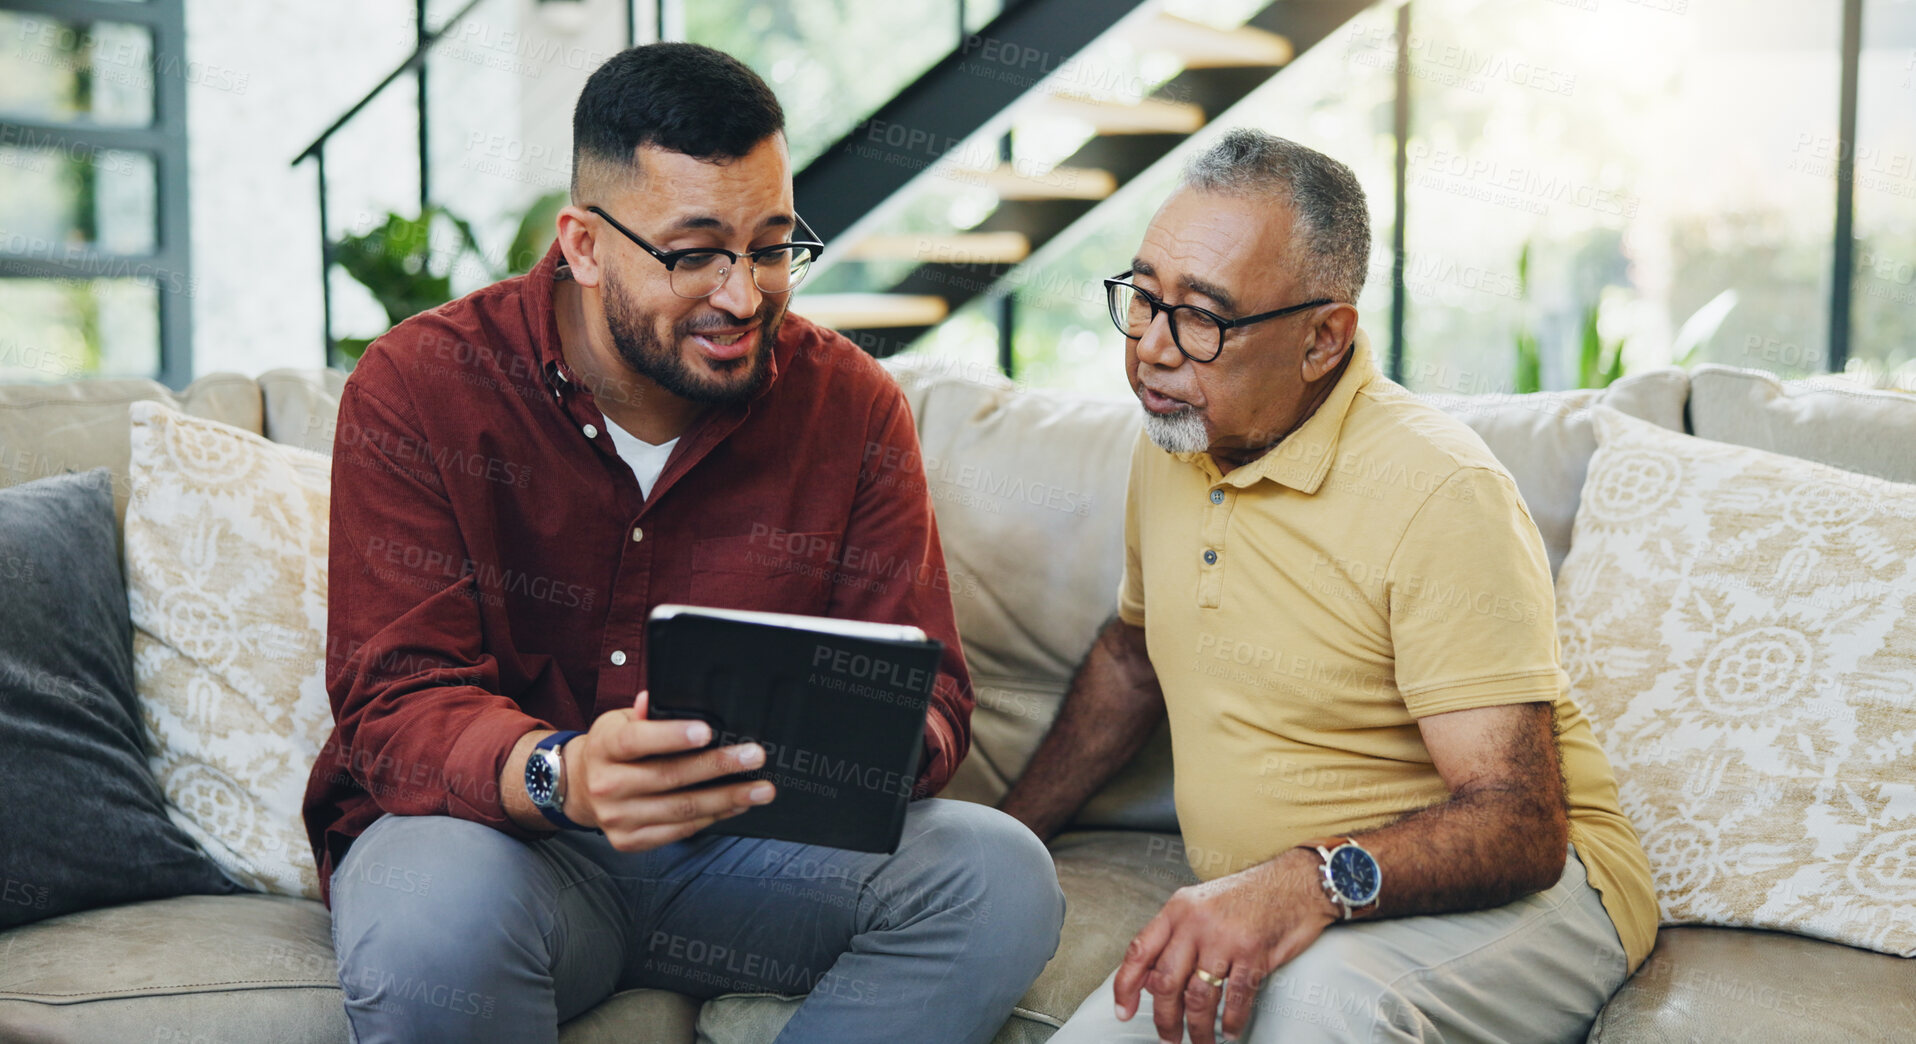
1538, 969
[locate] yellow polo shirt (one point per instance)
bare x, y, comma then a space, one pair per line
1303, 611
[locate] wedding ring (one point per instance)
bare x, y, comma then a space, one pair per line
1215, 980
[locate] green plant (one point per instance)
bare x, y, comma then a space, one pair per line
1599, 362
538, 226
408, 273
1529, 370
1592, 369
396, 261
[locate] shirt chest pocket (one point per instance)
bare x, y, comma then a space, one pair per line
779, 571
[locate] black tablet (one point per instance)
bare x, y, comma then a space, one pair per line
839, 706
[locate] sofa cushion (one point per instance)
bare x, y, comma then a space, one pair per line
1029, 494
1114, 882
1545, 441
223, 968
635, 1017
46, 429
1830, 421
226, 580
1740, 629
1731, 985
302, 407
237, 969
82, 823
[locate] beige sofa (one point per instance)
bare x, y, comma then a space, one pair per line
1028, 488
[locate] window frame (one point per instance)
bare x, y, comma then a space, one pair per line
168, 268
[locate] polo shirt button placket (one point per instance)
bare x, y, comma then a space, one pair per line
1210, 556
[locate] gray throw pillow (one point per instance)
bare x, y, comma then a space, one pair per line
82, 823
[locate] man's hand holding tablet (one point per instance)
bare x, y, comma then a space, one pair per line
639, 780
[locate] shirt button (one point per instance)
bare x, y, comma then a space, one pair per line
1217, 496
618, 657
1210, 557
591, 431
637, 534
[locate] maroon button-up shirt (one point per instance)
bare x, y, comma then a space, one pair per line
493, 560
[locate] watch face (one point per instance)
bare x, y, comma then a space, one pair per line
1355, 874
539, 779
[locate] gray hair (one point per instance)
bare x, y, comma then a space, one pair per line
1331, 239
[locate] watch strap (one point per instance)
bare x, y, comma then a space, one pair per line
555, 812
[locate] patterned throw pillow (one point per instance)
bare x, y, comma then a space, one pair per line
1740, 628
226, 580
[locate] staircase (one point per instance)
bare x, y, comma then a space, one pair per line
941, 140
949, 187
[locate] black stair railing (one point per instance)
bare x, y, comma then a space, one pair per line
953, 100
425, 39
1304, 23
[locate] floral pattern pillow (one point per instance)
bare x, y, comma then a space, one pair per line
1740, 628
226, 581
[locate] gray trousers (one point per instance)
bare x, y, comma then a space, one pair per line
448, 930
1538, 969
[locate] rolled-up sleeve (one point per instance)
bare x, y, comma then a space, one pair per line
421, 724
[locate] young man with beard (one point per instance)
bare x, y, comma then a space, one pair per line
519, 477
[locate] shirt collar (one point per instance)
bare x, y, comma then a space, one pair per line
1304, 457
543, 319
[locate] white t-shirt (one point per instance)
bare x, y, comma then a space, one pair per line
645, 459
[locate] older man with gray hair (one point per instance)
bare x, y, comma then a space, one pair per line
1403, 826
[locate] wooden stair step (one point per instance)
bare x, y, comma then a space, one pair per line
1149, 116
870, 311
1202, 46
962, 248
1013, 182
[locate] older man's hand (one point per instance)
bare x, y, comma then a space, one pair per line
1238, 929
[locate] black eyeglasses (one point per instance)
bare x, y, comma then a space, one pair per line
1198, 334
700, 272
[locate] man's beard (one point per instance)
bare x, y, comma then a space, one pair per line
1180, 431
635, 337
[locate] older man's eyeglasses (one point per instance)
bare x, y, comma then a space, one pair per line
700, 272
1198, 334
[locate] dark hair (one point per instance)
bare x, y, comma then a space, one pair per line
684, 97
